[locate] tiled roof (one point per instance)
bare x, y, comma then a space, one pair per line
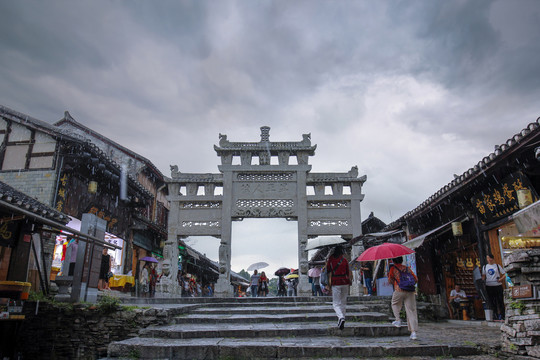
69, 136
488, 161
24, 202
70, 120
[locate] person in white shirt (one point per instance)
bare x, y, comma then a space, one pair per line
254, 283
494, 276
290, 287
457, 296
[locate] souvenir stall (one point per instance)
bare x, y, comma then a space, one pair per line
64, 241
459, 256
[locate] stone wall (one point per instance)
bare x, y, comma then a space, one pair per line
81, 331
521, 330
38, 184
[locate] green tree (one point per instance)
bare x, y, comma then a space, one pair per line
273, 286
243, 273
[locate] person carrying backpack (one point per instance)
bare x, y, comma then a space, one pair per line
337, 268
403, 279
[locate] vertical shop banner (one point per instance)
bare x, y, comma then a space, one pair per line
501, 200
61, 194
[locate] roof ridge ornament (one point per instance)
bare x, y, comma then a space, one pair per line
292, 147
265, 133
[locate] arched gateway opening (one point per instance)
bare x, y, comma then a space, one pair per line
265, 190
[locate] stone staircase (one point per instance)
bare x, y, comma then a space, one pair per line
270, 328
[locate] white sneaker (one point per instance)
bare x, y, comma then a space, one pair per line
413, 335
397, 323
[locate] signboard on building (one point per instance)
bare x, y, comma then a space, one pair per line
522, 291
501, 200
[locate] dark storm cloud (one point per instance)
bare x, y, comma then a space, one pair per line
457, 37
345, 71
53, 38
423, 88
183, 23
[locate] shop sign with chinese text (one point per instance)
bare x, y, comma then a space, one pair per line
522, 291
500, 200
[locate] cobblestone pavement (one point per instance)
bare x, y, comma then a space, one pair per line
456, 333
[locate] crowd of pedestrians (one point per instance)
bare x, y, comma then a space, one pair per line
192, 287
189, 285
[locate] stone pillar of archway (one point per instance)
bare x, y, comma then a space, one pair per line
304, 288
168, 285
223, 286
356, 197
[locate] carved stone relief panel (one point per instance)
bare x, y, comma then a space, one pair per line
245, 158
329, 204
337, 188
319, 189
283, 157
302, 157
277, 190
270, 176
209, 189
257, 208
264, 158
192, 189
200, 224
329, 223
226, 159
200, 205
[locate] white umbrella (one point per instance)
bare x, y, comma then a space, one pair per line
320, 242
259, 265
314, 272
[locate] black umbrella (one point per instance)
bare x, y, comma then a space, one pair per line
282, 271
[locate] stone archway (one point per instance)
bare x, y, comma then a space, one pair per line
262, 191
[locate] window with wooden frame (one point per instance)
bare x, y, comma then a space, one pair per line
26, 149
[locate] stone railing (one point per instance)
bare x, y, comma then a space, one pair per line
521, 330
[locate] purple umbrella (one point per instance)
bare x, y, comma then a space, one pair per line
149, 258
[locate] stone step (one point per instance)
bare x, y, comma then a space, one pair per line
269, 318
264, 330
294, 303
250, 300
276, 310
283, 348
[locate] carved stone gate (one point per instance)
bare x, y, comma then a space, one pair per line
269, 189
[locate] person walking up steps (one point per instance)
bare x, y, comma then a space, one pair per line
403, 279
339, 277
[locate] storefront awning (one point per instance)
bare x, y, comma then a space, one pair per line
528, 219
383, 234
192, 253
419, 240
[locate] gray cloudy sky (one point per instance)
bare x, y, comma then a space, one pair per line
410, 92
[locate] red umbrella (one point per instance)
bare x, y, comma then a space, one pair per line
384, 251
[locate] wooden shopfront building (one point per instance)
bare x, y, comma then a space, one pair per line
454, 230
